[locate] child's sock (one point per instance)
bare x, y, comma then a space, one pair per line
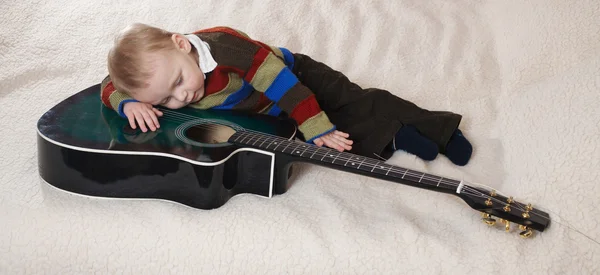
459, 149
410, 140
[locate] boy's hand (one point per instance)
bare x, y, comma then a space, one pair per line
143, 113
335, 140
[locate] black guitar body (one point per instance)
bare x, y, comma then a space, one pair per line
94, 152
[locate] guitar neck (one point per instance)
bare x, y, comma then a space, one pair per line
344, 161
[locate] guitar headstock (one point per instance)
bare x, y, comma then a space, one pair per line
508, 210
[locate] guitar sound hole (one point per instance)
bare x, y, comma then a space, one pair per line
209, 133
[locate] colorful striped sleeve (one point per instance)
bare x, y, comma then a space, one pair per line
270, 75
280, 52
112, 98
283, 53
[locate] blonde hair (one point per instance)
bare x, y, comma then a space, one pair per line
128, 58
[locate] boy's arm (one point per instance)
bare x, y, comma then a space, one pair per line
283, 53
269, 74
112, 98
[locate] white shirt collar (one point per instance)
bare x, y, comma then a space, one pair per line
206, 61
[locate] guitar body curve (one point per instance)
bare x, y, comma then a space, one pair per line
86, 148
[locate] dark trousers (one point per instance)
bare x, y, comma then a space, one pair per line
371, 116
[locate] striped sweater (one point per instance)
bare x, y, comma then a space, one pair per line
250, 76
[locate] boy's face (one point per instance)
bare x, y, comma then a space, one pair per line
176, 80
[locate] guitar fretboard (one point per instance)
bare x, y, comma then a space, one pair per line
345, 160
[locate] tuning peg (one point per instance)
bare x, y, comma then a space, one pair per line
526, 232
507, 207
488, 202
487, 219
527, 209
506, 224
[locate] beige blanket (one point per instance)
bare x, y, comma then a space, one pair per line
525, 75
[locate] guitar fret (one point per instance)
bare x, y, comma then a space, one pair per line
297, 152
277, 145
346, 163
430, 180
245, 135
366, 166
289, 149
349, 159
410, 177
306, 148
374, 166
335, 158
254, 142
262, 142
343, 159
285, 147
389, 169
238, 136
314, 152
360, 163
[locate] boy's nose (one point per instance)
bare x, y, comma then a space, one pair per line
181, 96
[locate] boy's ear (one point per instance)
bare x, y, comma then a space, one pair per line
181, 42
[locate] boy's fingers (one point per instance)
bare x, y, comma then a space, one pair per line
342, 133
140, 120
325, 141
154, 119
343, 140
149, 121
330, 142
157, 112
335, 140
131, 119
344, 143
318, 142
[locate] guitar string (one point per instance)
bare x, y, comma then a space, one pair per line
180, 116
310, 148
469, 190
520, 206
319, 154
356, 159
446, 182
483, 195
173, 115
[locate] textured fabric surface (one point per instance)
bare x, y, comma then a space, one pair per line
525, 75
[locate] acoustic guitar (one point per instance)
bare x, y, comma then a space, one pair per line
202, 158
